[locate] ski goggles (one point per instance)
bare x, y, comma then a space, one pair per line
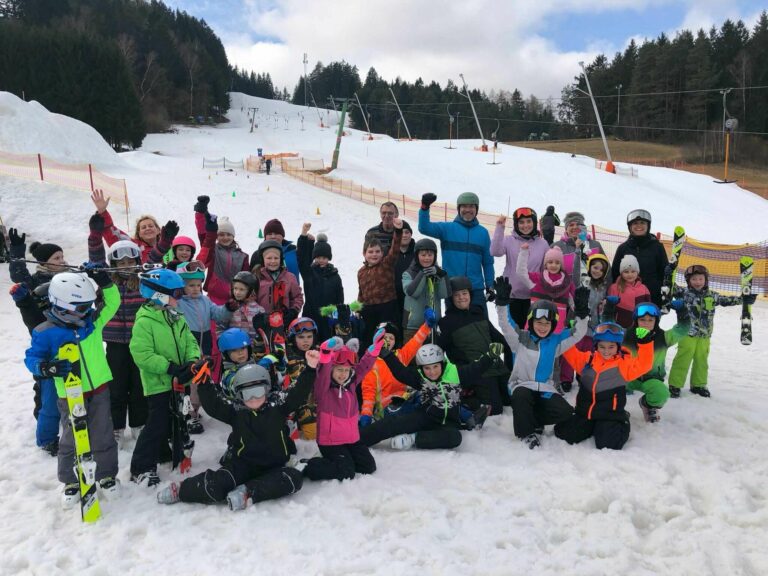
609, 328
696, 269
176, 293
302, 326
524, 213
540, 313
639, 215
191, 266
80, 308
647, 309
121, 252
254, 392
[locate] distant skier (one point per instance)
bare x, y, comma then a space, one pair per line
548, 223
268, 165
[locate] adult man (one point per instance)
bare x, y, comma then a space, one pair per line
465, 244
383, 232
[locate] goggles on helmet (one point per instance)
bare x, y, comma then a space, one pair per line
523, 213
647, 309
125, 251
695, 269
540, 313
302, 325
638, 215
254, 392
609, 328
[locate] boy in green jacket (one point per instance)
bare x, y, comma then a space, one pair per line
163, 348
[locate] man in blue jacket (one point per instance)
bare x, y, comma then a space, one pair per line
465, 244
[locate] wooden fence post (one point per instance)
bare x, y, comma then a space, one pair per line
40, 165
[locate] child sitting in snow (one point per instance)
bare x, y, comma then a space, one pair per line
630, 290
344, 320
301, 337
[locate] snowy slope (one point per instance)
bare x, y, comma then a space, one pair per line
686, 496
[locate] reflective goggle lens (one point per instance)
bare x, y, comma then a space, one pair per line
647, 309
257, 391
125, 252
540, 313
639, 215
609, 328
304, 326
177, 293
523, 213
695, 269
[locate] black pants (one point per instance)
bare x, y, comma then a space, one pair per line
430, 434
125, 391
611, 434
375, 314
489, 390
518, 309
549, 236
341, 462
532, 410
38, 397
147, 452
213, 486
205, 340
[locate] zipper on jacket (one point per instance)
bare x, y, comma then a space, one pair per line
282, 439
594, 395
615, 401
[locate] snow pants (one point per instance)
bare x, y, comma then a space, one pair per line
612, 434
341, 462
656, 392
148, 451
430, 434
532, 409
48, 416
212, 486
127, 396
103, 445
691, 349
488, 390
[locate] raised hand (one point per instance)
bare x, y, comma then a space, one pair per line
100, 201
427, 200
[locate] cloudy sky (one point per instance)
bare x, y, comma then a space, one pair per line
532, 45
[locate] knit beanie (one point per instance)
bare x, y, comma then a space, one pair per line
555, 254
43, 252
407, 226
322, 248
629, 262
225, 225
577, 217
274, 226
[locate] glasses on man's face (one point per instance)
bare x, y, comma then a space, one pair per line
387, 213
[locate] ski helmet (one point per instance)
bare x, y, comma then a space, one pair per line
159, 286
71, 296
466, 198
429, 354
251, 381
425, 244
183, 241
302, 324
525, 213
347, 354
647, 309
460, 283
192, 270
269, 244
642, 215
233, 339
694, 269
597, 257
545, 309
124, 249
608, 332
247, 278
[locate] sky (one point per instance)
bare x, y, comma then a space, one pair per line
532, 45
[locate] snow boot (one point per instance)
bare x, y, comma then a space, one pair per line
148, 479
566, 387
478, 417
700, 391
532, 441
402, 441
52, 448
650, 413
674, 392
237, 499
71, 496
169, 494
110, 487
194, 426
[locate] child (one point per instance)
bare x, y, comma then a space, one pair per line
235, 347
436, 421
73, 317
699, 302
379, 385
322, 282
535, 400
163, 348
279, 291
598, 269
219, 252
344, 320
301, 338
425, 285
245, 287
552, 283
257, 470
126, 395
655, 392
183, 249
200, 312
630, 290
335, 391
603, 387
274, 230
376, 283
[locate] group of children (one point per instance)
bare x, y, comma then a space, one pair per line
340, 374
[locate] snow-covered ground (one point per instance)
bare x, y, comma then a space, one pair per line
685, 496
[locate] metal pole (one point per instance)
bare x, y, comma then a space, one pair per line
472, 105
305, 80
618, 113
339, 134
597, 114
362, 112
724, 93
401, 113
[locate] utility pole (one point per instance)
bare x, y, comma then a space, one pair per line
401, 114
305, 81
618, 108
597, 114
725, 111
253, 117
472, 105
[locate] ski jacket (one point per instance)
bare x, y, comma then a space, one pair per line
149, 253
221, 262
243, 317
159, 339
404, 260
30, 307
603, 386
548, 221
465, 247
382, 236
663, 340
542, 288
200, 311
380, 386
465, 336
322, 285
632, 295
281, 293
422, 292
376, 284
441, 400
536, 358
597, 293
337, 407
572, 255
700, 306
652, 259
51, 335
290, 259
259, 437
509, 246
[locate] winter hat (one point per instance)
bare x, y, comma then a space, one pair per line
425, 244
555, 254
43, 252
460, 283
226, 226
407, 226
629, 262
577, 217
322, 248
274, 226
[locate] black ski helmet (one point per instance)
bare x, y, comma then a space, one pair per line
266, 245
525, 212
247, 278
642, 215
543, 309
425, 244
460, 283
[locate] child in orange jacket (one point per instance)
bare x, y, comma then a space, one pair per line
603, 386
630, 290
379, 385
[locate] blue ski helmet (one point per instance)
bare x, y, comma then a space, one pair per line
608, 332
647, 309
233, 339
159, 286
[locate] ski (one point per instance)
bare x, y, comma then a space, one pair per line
85, 465
667, 288
5, 248
745, 266
584, 277
181, 444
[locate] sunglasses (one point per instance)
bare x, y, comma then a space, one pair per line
524, 213
254, 392
647, 309
695, 269
609, 328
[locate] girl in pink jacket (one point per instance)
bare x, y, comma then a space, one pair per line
552, 283
338, 376
629, 289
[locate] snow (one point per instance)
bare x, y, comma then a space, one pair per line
685, 496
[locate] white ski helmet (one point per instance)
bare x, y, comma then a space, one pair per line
124, 249
429, 354
71, 296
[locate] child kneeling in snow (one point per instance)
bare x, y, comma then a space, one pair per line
535, 400
257, 470
603, 386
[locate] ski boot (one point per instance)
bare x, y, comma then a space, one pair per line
674, 392
650, 413
566, 387
52, 448
402, 441
110, 487
478, 417
237, 499
532, 441
148, 479
700, 391
169, 494
194, 426
71, 496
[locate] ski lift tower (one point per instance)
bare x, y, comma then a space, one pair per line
484, 147
344, 102
609, 167
364, 113
401, 115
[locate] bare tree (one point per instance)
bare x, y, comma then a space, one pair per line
189, 53
127, 46
152, 74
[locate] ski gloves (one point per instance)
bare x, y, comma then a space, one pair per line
16, 240
58, 368
581, 302
18, 292
427, 200
644, 336
95, 272
430, 318
503, 290
183, 373
365, 420
495, 350
170, 230
201, 205
378, 342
